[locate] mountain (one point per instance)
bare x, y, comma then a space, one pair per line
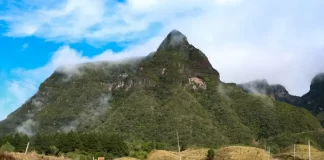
150, 98
312, 101
277, 91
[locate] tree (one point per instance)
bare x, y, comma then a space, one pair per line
210, 154
7, 147
54, 150
117, 146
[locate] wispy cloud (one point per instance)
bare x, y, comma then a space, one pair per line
17, 93
75, 20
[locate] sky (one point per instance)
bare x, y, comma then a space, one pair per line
245, 40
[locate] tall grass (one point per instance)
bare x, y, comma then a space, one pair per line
5, 156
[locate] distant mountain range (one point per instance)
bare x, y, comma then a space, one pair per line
174, 89
312, 101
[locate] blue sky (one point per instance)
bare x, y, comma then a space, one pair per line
281, 41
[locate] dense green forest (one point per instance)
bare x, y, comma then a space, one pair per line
70, 144
285, 140
86, 146
81, 145
312, 100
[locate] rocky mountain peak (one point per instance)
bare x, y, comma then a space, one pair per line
176, 57
175, 39
319, 78
278, 88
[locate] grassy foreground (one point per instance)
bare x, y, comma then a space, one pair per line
301, 152
226, 153
29, 156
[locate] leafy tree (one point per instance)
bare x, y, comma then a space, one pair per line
117, 146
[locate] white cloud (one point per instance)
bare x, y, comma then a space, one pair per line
281, 41
104, 20
27, 127
67, 57
228, 2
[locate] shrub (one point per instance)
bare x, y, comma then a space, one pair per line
74, 155
7, 147
138, 154
54, 150
210, 154
183, 147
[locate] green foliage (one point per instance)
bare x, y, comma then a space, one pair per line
54, 150
312, 101
17, 140
183, 147
140, 149
320, 116
284, 140
73, 144
7, 147
145, 102
79, 156
210, 154
138, 154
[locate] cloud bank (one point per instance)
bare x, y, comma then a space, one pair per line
281, 41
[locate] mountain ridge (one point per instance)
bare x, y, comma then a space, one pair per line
312, 100
174, 89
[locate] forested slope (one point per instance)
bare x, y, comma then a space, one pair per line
151, 98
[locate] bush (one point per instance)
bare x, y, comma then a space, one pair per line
54, 150
7, 147
138, 154
183, 147
210, 154
74, 155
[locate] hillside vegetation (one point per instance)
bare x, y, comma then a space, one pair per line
283, 141
312, 100
148, 100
